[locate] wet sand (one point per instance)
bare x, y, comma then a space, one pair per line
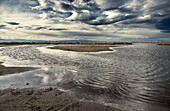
48, 99
45, 100
87, 48
10, 70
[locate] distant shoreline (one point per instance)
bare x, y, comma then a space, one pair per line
58, 43
4, 44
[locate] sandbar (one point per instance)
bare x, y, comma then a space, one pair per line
11, 70
84, 48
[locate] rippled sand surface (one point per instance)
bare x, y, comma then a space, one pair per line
129, 78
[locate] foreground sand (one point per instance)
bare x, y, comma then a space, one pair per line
48, 99
86, 48
45, 100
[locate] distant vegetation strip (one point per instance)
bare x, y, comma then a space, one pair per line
163, 43
56, 43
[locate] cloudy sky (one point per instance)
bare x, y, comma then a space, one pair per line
103, 20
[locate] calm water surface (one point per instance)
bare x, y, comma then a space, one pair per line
135, 77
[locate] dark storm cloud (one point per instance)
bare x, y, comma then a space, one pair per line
95, 10
110, 4
67, 7
98, 29
11, 6
9, 2
163, 5
86, 0
18, 4
48, 9
38, 27
111, 21
2, 26
138, 22
49, 3
160, 14
122, 10
70, 0
56, 29
13, 23
164, 25
87, 10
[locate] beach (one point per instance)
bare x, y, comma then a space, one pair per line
45, 99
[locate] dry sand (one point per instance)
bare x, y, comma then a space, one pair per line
87, 48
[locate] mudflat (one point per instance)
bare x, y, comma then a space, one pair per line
87, 48
48, 99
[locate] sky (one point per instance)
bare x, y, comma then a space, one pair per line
99, 20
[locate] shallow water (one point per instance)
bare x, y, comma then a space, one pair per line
135, 77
